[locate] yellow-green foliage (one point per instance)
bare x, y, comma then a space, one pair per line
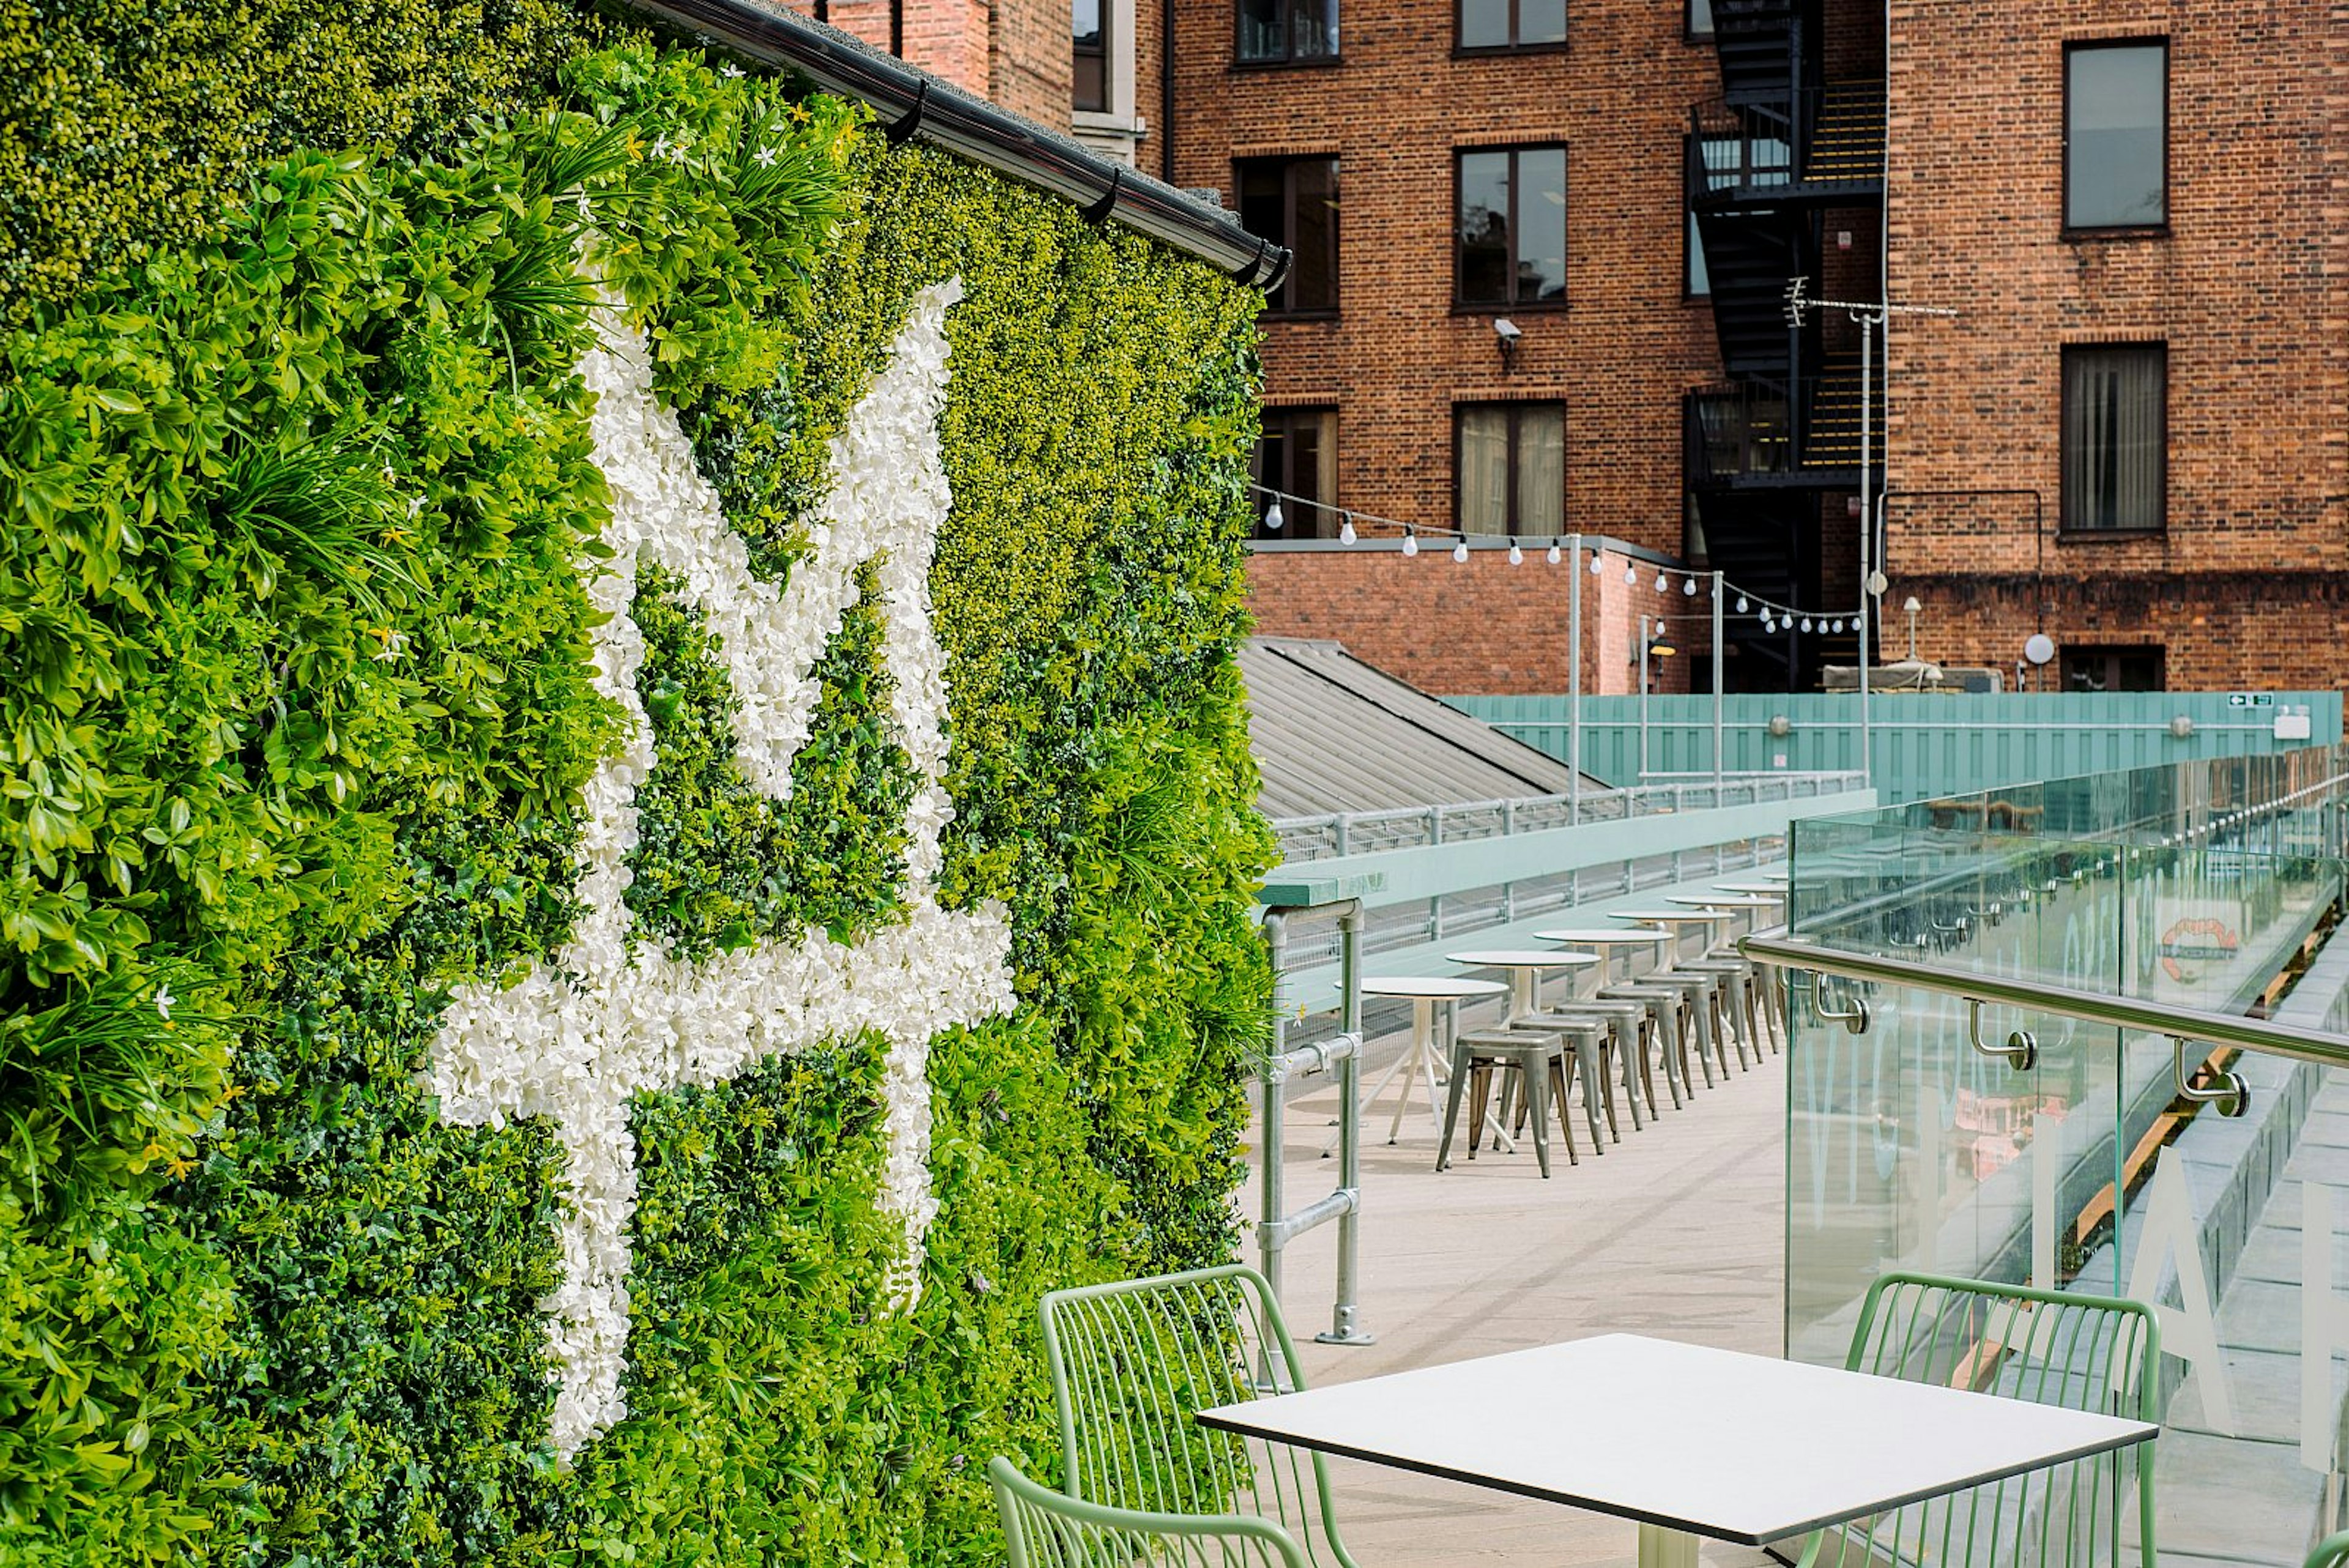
295, 746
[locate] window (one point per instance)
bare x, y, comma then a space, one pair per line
1298, 455
2115, 443
1700, 18
2116, 135
1512, 233
1283, 32
1511, 24
1723, 156
1509, 463
1088, 26
2113, 669
1294, 202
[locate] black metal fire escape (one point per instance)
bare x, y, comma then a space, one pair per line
1780, 147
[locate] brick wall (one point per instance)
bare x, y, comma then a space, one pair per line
1013, 53
2244, 586
1397, 358
1481, 627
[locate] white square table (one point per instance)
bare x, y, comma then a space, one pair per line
1686, 1440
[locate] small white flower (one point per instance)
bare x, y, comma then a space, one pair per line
676, 153
660, 145
394, 643
414, 507
730, 70
766, 157
586, 213
164, 1001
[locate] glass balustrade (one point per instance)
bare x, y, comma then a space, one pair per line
1929, 1141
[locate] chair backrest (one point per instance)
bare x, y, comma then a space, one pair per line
1132, 1361
1047, 1529
2332, 1552
2080, 1352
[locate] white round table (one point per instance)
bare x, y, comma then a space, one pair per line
1604, 937
1422, 1064
1774, 892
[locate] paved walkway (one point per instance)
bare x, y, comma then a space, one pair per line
1677, 1231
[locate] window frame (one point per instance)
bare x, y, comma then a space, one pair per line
2068, 530
1101, 52
2072, 231
1460, 154
1688, 23
1289, 59
1325, 508
1289, 165
1516, 407
1463, 50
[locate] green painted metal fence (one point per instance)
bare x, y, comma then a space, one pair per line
1924, 746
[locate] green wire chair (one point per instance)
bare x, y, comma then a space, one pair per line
1132, 1361
1048, 1530
2083, 1353
2332, 1552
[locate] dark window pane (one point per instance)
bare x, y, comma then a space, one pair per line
2115, 142
1263, 208
1541, 225
1089, 83
2114, 459
1264, 33
1541, 21
1313, 235
1484, 24
1699, 281
1296, 456
1313, 25
1700, 18
1484, 261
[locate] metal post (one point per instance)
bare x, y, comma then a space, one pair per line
1343, 1328
1269, 1210
1642, 654
1867, 534
1717, 763
1574, 686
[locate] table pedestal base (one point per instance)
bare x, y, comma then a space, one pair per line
1663, 1548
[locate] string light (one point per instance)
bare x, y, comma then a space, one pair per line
1410, 543
1596, 565
1660, 584
1517, 557
1806, 623
1460, 552
1740, 603
1631, 576
1272, 517
1346, 530
1689, 587
1552, 552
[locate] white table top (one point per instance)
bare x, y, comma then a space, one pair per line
1674, 917
1431, 987
1738, 1447
1606, 936
1774, 892
1721, 900
1521, 957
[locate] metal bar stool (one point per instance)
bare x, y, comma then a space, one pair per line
1539, 1057
1624, 1053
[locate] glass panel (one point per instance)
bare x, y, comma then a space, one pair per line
1700, 18
1485, 228
2113, 455
1484, 24
1313, 278
1541, 21
1484, 470
1264, 32
1541, 223
2115, 142
1316, 28
1090, 83
1541, 470
1699, 282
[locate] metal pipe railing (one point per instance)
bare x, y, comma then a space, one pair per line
1773, 946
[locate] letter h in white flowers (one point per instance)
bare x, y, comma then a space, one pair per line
602, 1020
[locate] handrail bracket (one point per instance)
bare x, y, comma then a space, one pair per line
2021, 1050
2232, 1097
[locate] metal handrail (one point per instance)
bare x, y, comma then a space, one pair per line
1774, 945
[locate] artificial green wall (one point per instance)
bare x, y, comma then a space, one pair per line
295, 716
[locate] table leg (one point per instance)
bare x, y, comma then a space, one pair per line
1415, 1063
1663, 1548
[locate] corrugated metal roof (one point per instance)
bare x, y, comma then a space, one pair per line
1331, 733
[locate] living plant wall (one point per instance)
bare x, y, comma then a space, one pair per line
626, 805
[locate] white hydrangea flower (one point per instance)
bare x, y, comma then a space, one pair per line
581, 1032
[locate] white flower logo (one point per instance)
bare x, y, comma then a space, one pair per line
583, 1031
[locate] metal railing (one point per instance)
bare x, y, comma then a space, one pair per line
1305, 838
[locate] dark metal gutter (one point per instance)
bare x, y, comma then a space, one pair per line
915, 103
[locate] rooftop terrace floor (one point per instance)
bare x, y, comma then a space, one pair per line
1677, 1231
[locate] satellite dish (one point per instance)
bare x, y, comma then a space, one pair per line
2040, 649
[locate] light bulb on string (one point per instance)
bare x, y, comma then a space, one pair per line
1835, 626
1552, 556
1410, 543
1460, 552
1596, 565
1769, 625
1631, 576
1346, 530
1689, 587
1740, 603
1517, 557
1806, 623
1272, 517
1660, 584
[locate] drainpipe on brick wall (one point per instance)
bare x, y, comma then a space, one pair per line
1166, 91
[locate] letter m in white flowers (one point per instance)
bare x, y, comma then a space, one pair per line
607, 1017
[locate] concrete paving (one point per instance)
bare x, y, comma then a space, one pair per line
1677, 1231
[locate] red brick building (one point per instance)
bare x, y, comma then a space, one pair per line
2131, 439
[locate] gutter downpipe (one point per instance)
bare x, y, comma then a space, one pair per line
916, 104
1166, 91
